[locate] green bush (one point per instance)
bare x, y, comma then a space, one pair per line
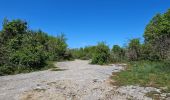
30, 57
101, 55
157, 35
85, 53
23, 50
133, 52
6, 70
117, 54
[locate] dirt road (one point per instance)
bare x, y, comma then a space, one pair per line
79, 81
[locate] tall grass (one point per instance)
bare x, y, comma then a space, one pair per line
145, 73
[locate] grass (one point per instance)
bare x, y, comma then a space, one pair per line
145, 73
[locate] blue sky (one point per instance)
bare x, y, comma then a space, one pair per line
86, 22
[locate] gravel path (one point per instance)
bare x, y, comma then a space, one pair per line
79, 81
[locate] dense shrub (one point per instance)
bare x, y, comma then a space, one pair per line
23, 50
85, 53
13, 28
149, 62
157, 34
68, 55
101, 55
56, 47
117, 54
133, 51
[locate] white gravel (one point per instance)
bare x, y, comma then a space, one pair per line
80, 81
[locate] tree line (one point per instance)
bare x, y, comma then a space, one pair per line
156, 46
24, 50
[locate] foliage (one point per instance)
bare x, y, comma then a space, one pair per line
23, 50
101, 55
56, 46
11, 29
157, 34
85, 53
117, 54
153, 56
145, 73
133, 52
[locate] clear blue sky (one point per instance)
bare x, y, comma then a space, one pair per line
85, 22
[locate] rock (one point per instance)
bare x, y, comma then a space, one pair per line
163, 95
168, 94
164, 88
95, 80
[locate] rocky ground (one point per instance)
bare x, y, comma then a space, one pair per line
77, 81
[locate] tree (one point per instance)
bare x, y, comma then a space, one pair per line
57, 47
157, 34
117, 53
22, 49
101, 55
133, 52
12, 28
85, 53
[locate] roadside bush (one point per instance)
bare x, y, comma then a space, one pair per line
157, 34
68, 55
56, 47
149, 62
101, 55
85, 53
117, 54
30, 57
23, 50
6, 70
133, 52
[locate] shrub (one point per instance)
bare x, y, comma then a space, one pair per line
23, 50
85, 53
157, 34
6, 70
117, 54
133, 52
30, 57
101, 55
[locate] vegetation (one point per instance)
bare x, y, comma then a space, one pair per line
117, 54
150, 61
101, 54
145, 73
85, 53
157, 34
133, 52
24, 50
156, 46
